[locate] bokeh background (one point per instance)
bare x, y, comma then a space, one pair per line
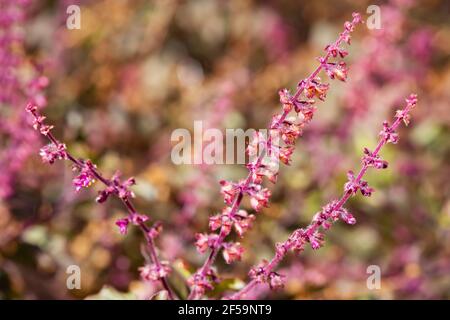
137, 70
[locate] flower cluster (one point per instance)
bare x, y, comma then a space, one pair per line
52, 152
155, 272
354, 184
274, 279
330, 213
266, 153
371, 160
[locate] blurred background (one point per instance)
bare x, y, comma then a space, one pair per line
137, 70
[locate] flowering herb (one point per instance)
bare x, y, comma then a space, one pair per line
329, 214
87, 175
289, 129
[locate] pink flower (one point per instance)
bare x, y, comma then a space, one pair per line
31, 107
257, 273
223, 220
315, 88
352, 185
290, 130
286, 154
51, 152
215, 222
83, 180
104, 194
258, 170
232, 251
316, 240
243, 222
335, 51
154, 272
259, 197
338, 71
403, 116
346, 216
371, 160
276, 280
155, 230
389, 134
123, 225
257, 144
138, 219
286, 100
201, 282
205, 241
229, 191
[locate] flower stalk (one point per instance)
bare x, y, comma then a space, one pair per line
330, 213
87, 175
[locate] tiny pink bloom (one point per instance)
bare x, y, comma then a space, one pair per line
241, 225
200, 283
335, 51
154, 272
50, 152
388, 133
286, 154
276, 281
286, 100
316, 240
347, 217
205, 241
31, 107
232, 252
259, 198
258, 272
257, 144
336, 71
123, 225
215, 222
138, 219
371, 160
201, 242
155, 230
104, 194
315, 88
83, 180
229, 191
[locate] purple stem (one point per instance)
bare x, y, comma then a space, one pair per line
125, 200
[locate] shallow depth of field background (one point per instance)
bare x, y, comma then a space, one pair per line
137, 70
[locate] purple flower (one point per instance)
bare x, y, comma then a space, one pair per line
346, 216
353, 185
138, 219
123, 225
154, 272
389, 134
371, 160
205, 241
232, 251
83, 180
276, 280
51, 152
